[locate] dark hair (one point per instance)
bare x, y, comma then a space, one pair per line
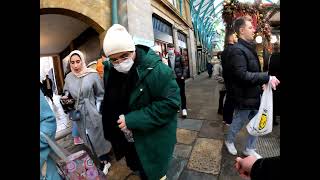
239, 23
230, 33
170, 45
102, 53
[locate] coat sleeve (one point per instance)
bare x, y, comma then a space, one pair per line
47, 126
240, 73
165, 95
98, 90
47, 118
66, 86
266, 169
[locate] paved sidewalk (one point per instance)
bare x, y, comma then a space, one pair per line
200, 153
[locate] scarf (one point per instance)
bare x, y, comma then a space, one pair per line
84, 71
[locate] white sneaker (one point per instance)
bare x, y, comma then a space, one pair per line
230, 146
106, 168
184, 112
251, 152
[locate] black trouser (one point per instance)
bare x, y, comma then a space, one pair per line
181, 85
221, 97
228, 109
276, 104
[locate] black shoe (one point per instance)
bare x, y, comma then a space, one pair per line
220, 112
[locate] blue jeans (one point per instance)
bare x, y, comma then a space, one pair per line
75, 132
241, 118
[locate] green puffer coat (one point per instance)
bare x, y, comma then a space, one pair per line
153, 120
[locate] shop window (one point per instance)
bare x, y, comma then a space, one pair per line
161, 25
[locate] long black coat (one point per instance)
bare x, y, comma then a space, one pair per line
274, 70
225, 63
246, 78
266, 169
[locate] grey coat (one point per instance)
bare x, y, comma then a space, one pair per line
91, 95
217, 74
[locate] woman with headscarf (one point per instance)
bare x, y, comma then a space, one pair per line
86, 83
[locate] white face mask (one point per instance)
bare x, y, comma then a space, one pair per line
125, 66
171, 51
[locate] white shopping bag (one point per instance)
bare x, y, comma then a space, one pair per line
261, 123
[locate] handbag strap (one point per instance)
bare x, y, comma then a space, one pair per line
55, 147
77, 103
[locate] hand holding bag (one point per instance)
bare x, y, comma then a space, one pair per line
261, 123
75, 115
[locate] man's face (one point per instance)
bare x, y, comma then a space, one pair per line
247, 32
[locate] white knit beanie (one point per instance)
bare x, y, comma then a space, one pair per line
117, 40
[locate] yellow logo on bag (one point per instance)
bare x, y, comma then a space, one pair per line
263, 121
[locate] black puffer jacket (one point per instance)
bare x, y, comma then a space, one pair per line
246, 78
179, 65
266, 169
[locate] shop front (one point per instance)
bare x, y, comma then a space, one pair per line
162, 33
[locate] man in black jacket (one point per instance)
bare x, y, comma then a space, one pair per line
246, 84
228, 107
47, 83
259, 169
177, 64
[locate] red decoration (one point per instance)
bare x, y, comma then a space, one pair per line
258, 12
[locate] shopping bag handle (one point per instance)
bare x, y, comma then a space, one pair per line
56, 149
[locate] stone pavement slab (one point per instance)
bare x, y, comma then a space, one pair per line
190, 124
186, 136
193, 175
206, 156
119, 170
176, 166
267, 146
181, 150
212, 129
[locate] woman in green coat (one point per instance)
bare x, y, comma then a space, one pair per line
141, 99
